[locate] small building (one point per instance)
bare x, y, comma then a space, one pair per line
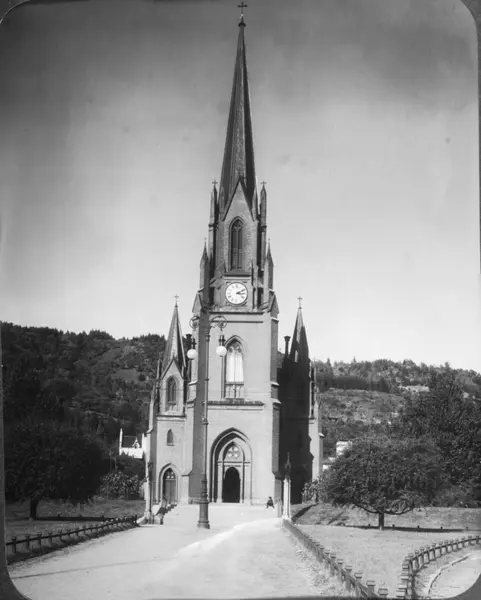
131, 445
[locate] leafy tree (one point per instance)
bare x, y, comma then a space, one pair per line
385, 476
451, 421
117, 484
131, 466
46, 461
22, 390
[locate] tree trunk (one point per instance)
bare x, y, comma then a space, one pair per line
380, 520
34, 502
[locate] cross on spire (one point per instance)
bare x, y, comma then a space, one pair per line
242, 6
176, 299
263, 183
300, 301
214, 183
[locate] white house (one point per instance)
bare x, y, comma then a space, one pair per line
132, 445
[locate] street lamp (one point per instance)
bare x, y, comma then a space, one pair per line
220, 322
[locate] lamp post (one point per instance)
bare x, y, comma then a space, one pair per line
220, 322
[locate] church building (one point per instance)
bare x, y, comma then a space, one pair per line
262, 410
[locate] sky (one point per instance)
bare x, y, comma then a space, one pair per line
113, 116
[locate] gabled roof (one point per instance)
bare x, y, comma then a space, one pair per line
239, 145
128, 441
241, 186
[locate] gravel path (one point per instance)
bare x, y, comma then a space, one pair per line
456, 578
245, 554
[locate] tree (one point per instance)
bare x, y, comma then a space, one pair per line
451, 421
385, 476
46, 461
131, 466
117, 484
22, 390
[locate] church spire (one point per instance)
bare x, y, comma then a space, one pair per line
174, 349
299, 347
238, 163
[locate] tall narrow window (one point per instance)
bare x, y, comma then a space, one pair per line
170, 438
234, 371
171, 394
236, 246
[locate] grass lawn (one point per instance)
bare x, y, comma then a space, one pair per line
429, 517
18, 522
378, 555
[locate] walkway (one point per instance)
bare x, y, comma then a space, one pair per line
245, 554
457, 577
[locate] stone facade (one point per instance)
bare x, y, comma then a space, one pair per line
261, 406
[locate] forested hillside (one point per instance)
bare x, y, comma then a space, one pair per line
388, 376
101, 384
366, 396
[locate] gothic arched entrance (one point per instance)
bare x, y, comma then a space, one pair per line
169, 487
231, 485
231, 468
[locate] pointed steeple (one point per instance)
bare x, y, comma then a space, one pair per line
263, 205
299, 347
204, 269
239, 146
269, 269
174, 350
213, 204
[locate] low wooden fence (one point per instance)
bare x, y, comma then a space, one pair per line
421, 557
352, 581
21, 548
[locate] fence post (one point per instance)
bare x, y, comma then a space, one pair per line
358, 577
348, 570
14, 545
333, 564
370, 588
27, 541
401, 592
405, 580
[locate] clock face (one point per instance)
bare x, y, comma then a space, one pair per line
236, 293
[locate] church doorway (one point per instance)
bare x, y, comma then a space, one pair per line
169, 487
231, 468
231, 486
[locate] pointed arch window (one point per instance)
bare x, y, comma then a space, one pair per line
234, 371
171, 394
236, 245
170, 438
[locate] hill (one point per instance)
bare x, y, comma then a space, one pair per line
104, 384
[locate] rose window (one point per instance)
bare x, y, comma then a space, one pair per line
233, 453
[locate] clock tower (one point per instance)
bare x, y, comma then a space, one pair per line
262, 407
236, 282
